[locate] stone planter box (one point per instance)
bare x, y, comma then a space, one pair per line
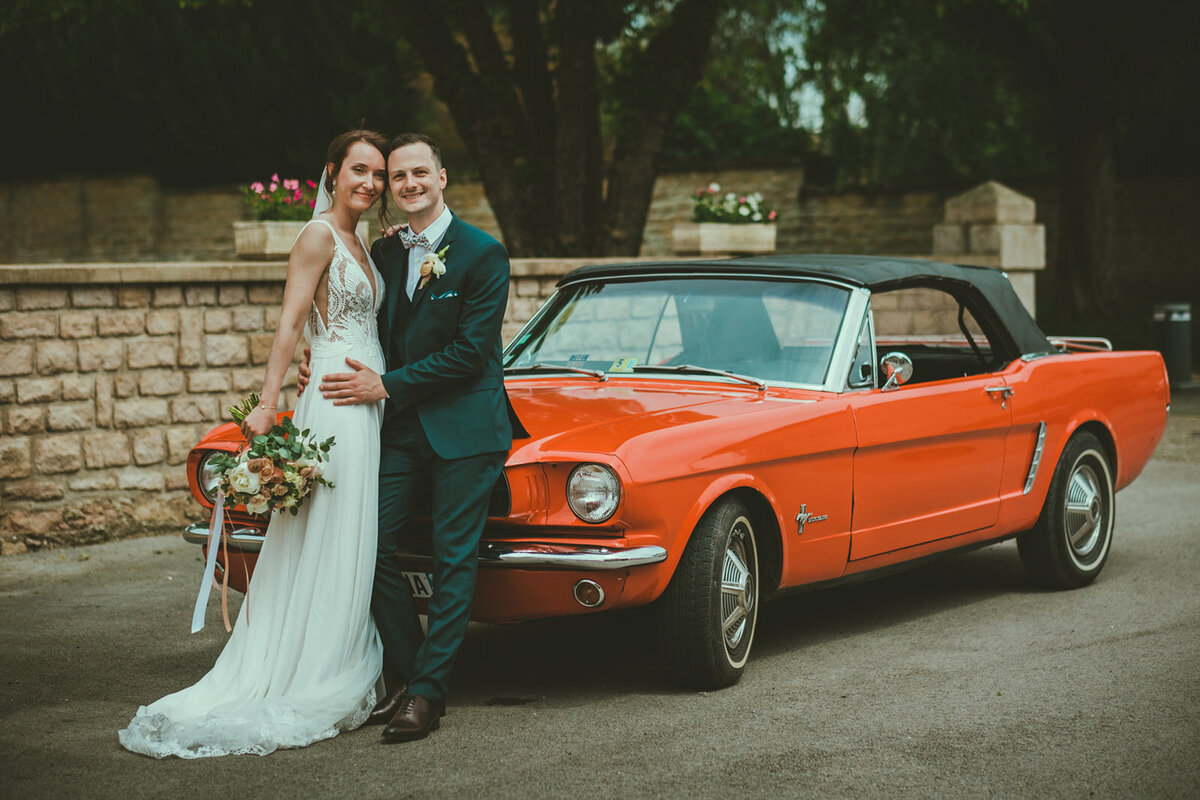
719, 238
271, 240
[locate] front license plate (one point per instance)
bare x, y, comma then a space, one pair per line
421, 583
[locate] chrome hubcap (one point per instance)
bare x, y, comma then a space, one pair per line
737, 587
1084, 518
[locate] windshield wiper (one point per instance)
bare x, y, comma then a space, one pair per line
595, 373
690, 368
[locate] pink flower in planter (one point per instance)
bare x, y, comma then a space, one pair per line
292, 184
256, 187
772, 216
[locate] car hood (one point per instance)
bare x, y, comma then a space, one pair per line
227, 436
569, 416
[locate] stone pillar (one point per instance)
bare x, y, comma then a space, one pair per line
991, 225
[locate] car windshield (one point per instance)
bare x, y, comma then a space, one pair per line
774, 330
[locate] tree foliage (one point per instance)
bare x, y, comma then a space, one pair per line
936, 109
195, 93
746, 108
961, 90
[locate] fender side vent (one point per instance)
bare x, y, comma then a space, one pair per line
1036, 461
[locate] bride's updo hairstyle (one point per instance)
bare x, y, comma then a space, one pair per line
340, 146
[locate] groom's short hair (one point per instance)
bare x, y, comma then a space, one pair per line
405, 139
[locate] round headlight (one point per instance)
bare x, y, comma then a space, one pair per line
593, 491
207, 477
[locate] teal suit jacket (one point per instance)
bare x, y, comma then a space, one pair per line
443, 346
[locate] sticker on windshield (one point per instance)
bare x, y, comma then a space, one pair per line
623, 365
578, 360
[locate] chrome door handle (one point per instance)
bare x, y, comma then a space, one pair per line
1004, 391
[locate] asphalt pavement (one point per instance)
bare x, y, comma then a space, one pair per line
954, 679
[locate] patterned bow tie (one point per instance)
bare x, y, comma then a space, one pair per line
408, 238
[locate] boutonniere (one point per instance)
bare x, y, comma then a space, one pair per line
433, 266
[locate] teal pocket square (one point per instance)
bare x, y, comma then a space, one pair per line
445, 296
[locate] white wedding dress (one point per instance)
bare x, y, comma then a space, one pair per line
304, 658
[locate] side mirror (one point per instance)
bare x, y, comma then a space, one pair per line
896, 369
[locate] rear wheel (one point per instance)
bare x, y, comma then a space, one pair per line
708, 613
1069, 544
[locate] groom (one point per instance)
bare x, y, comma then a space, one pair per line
446, 430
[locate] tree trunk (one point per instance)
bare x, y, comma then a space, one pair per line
652, 91
1085, 275
479, 91
535, 133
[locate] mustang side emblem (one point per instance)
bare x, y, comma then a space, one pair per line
803, 518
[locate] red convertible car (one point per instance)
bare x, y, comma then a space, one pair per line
703, 435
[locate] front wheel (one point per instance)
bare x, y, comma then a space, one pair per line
1069, 544
708, 613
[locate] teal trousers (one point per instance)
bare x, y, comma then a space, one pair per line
456, 492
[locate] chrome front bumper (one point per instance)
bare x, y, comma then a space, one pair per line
243, 540
581, 557
491, 554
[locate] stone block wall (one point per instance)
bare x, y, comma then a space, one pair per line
136, 219
109, 373
105, 388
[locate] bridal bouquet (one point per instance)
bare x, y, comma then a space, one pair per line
276, 471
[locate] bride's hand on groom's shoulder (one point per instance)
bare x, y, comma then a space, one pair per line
392, 231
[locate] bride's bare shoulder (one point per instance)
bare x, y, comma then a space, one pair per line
314, 244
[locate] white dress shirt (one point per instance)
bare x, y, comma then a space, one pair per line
417, 253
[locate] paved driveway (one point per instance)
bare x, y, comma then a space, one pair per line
953, 679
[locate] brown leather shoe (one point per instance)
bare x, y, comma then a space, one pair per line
386, 708
416, 719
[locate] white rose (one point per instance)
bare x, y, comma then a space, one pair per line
289, 501
243, 480
258, 504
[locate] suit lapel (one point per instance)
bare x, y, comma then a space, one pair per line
397, 302
447, 240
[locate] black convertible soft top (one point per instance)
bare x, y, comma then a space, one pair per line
986, 291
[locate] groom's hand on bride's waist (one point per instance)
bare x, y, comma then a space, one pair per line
363, 385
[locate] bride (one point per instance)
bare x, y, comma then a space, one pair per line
304, 664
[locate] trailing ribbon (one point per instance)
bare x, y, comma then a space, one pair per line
225, 585
210, 567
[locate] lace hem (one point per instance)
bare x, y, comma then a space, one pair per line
257, 728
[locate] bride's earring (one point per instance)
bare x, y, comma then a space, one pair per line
333, 190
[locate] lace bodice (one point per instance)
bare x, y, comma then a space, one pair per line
352, 306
